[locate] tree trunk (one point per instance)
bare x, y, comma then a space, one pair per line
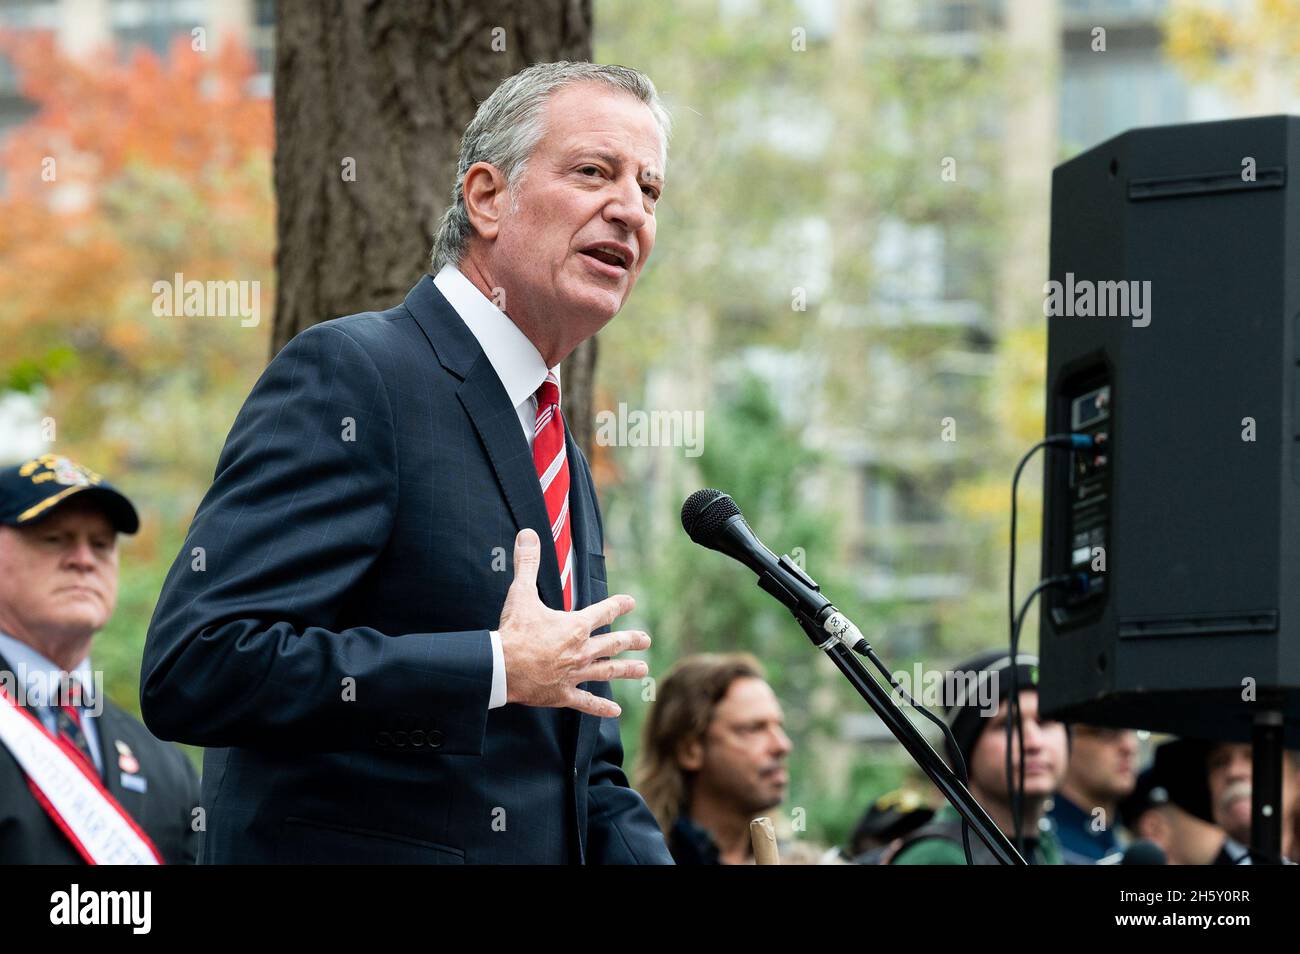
370, 103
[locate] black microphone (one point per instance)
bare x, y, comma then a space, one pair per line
712, 519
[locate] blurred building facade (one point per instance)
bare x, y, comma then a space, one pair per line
906, 541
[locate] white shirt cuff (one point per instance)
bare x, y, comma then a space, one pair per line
498, 697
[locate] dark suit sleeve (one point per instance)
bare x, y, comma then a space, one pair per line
242, 649
620, 827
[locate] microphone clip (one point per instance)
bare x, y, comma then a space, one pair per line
827, 625
772, 584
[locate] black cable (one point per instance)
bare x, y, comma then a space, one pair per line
1016, 792
1017, 788
960, 766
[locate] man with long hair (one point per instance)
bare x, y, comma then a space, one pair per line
713, 756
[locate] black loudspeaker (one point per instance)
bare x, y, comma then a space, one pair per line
1186, 519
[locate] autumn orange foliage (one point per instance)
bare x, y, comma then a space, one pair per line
131, 169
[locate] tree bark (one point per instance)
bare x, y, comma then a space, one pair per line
371, 99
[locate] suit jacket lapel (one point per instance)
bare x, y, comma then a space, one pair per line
579, 514
489, 408
106, 723
493, 416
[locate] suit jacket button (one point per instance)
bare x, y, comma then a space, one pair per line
399, 739
383, 739
417, 737
435, 739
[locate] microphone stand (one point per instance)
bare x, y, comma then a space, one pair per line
826, 631
1267, 754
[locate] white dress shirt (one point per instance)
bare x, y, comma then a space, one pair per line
522, 370
42, 684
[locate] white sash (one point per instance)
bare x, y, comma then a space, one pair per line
98, 827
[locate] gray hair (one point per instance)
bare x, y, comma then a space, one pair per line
508, 125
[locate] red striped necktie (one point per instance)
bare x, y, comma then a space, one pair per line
553, 471
67, 720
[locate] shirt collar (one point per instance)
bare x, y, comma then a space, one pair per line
39, 671
514, 358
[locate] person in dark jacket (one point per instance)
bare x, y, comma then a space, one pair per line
81, 780
342, 628
977, 718
714, 753
1102, 771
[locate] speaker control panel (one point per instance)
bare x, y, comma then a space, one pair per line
1088, 499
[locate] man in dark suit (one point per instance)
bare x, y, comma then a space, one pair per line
81, 780
341, 628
